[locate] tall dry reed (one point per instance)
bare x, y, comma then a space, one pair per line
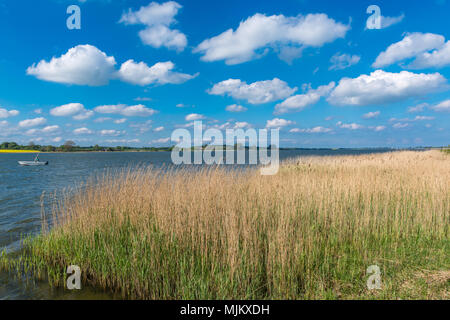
308, 232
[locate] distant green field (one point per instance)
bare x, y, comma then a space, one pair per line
19, 151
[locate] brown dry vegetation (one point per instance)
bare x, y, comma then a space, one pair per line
308, 232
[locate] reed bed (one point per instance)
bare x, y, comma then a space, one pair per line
309, 232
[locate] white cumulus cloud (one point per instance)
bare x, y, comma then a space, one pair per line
301, 101
400, 125
418, 108
444, 106
255, 93
278, 123
435, 59
379, 128
160, 73
382, 87
161, 140
371, 115
318, 129
28, 123
351, 126
82, 131
87, 65
343, 61
50, 129
127, 111
157, 19
114, 133
258, 33
81, 65
235, 108
8, 113
74, 110
194, 116
410, 46
66, 110
386, 22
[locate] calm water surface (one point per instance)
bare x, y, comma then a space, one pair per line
21, 189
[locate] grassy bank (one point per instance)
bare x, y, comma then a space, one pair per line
309, 232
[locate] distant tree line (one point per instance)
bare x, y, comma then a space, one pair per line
70, 146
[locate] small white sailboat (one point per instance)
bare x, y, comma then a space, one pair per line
35, 162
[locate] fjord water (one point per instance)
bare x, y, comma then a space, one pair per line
20, 202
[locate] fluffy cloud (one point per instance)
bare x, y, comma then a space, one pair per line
410, 46
81, 65
230, 125
400, 125
260, 32
435, 59
28, 123
418, 108
389, 21
444, 106
278, 123
120, 121
301, 101
242, 125
162, 140
158, 129
159, 36
161, 73
382, 87
311, 130
351, 126
127, 111
82, 131
86, 114
417, 118
343, 61
8, 113
157, 18
194, 116
87, 65
420, 118
142, 127
50, 129
378, 128
123, 141
66, 110
235, 108
114, 133
255, 93
75, 110
371, 115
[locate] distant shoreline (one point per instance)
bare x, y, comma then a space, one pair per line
169, 149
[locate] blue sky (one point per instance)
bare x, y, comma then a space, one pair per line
137, 70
